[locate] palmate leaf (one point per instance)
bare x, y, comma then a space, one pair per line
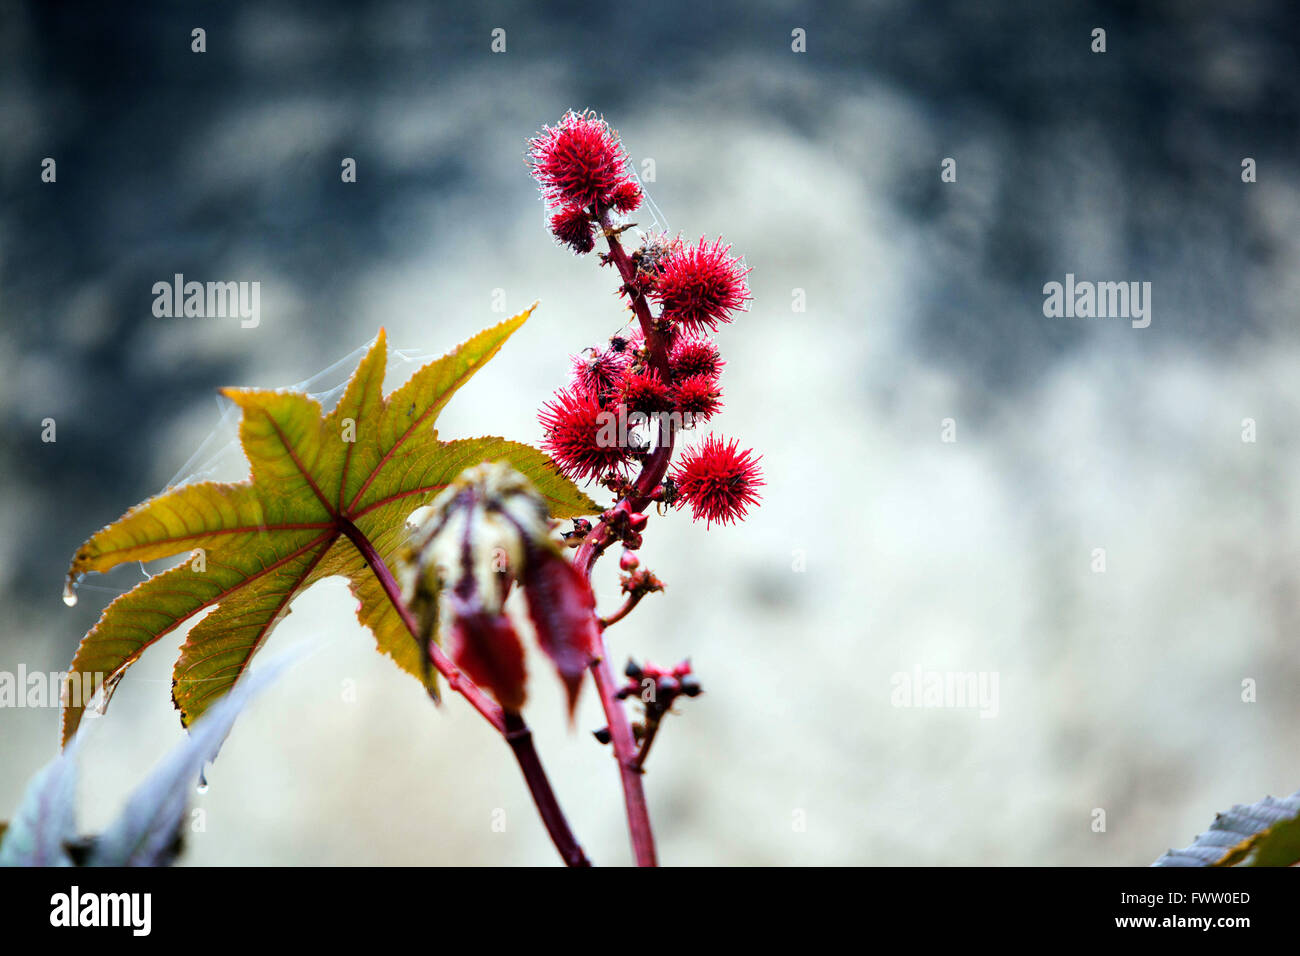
266, 539
1266, 833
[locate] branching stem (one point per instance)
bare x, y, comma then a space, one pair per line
509, 725
601, 537
632, 601
651, 729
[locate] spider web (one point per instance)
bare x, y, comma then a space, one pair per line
659, 222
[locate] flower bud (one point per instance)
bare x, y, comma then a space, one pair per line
486, 530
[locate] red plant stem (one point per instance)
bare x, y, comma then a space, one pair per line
520, 739
652, 728
456, 679
656, 464
632, 601
620, 733
599, 538
510, 725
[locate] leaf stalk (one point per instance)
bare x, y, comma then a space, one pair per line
509, 725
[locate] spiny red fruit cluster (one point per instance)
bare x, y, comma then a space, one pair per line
586, 177
699, 286
584, 172
718, 480
576, 436
591, 424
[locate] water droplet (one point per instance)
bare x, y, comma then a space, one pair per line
70, 594
203, 782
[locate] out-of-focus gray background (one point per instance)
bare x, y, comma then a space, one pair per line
1119, 690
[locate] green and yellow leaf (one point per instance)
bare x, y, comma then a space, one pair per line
371, 461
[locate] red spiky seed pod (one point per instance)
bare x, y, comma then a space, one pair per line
645, 392
598, 372
573, 228
700, 286
580, 162
626, 197
718, 480
697, 396
580, 437
694, 355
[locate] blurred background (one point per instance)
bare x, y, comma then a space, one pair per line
880, 548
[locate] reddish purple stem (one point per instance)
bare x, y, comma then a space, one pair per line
594, 545
510, 725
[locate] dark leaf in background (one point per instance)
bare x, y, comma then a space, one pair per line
147, 832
